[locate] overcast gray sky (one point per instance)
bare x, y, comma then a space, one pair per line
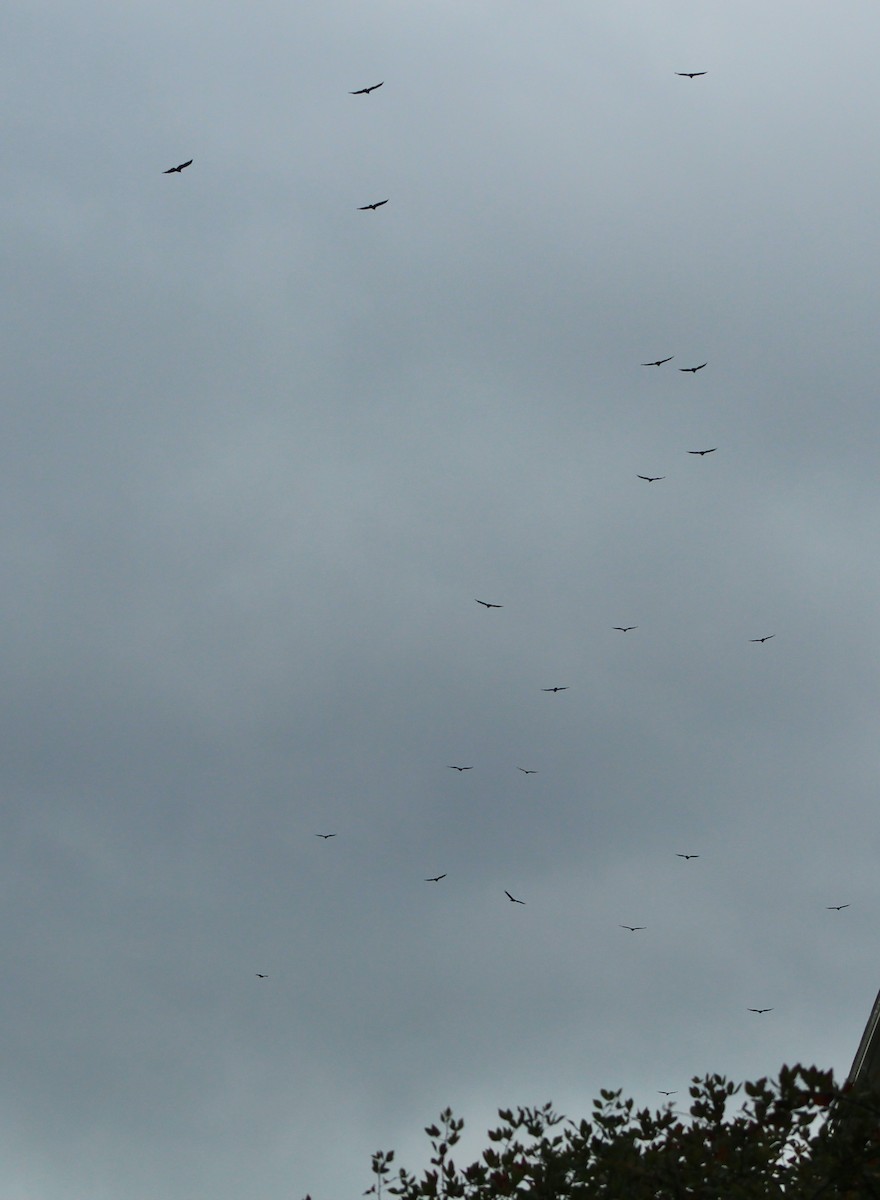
260, 454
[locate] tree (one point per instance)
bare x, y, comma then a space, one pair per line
800, 1137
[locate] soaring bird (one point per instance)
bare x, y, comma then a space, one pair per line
659, 362
693, 370
633, 928
687, 856
556, 689
691, 74
836, 907
259, 976
177, 170
325, 835
436, 878
651, 478
526, 771
366, 91
512, 899
624, 628
373, 207
702, 452
452, 767
672, 1093
760, 1010
763, 639
486, 604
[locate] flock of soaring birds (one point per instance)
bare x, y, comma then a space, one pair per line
658, 362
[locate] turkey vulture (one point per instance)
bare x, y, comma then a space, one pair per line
373, 207
659, 362
693, 370
556, 689
687, 856
702, 452
633, 928
177, 170
436, 878
512, 899
366, 91
325, 835
836, 907
259, 976
763, 639
486, 604
690, 74
672, 1093
454, 768
760, 1010
526, 771
651, 478
624, 628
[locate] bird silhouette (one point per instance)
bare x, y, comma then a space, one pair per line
651, 478
177, 170
259, 976
693, 370
454, 768
659, 362
556, 689
624, 628
526, 771
836, 907
687, 856
366, 91
672, 1093
325, 835
436, 878
512, 899
760, 1010
633, 928
763, 639
372, 207
486, 604
702, 452
691, 74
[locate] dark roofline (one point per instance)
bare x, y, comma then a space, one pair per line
866, 1064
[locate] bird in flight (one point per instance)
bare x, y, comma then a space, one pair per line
366, 91
177, 170
651, 478
691, 74
633, 928
452, 767
512, 899
659, 362
672, 1093
372, 207
486, 604
259, 976
760, 1010
436, 878
325, 835
693, 370
763, 639
526, 771
836, 907
702, 452
687, 856
556, 689
624, 628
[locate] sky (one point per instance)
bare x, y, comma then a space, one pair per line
261, 454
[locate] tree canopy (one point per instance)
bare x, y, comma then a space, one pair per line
798, 1137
